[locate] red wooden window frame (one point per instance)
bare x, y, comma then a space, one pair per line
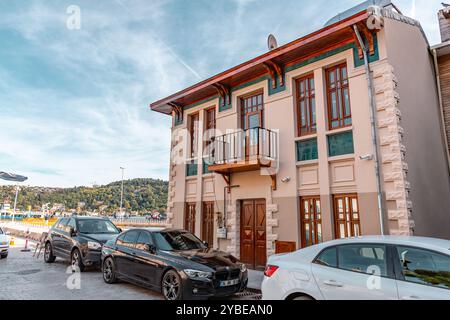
306, 105
311, 221
347, 216
252, 105
338, 97
194, 134
210, 124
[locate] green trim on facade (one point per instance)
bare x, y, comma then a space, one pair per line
307, 150
191, 169
375, 57
224, 107
340, 144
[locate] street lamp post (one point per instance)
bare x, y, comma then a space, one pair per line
15, 202
121, 191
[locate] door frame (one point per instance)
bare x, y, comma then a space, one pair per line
254, 266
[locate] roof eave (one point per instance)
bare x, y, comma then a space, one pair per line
159, 105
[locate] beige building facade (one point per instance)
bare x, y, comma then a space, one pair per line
292, 162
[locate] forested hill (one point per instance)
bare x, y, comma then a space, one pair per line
140, 196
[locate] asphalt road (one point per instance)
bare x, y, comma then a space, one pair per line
23, 277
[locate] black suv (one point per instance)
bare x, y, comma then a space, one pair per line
79, 239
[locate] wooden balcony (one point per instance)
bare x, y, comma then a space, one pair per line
244, 151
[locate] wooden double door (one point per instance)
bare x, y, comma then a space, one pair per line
253, 234
208, 223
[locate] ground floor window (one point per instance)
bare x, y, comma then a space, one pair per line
311, 221
346, 216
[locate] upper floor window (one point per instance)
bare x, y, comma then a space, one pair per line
194, 134
339, 112
306, 106
252, 109
210, 125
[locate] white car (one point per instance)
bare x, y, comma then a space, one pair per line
4, 244
365, 268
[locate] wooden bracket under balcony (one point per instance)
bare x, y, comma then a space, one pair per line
224, 92
274, 181
276, 71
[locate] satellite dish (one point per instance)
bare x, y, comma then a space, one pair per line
272, 42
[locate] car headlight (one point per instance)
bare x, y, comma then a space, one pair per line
4, 243
196, 274
94, 245
243, 267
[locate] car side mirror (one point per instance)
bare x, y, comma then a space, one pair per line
7, 233
72, 232
120, 230
206, 244
150, 248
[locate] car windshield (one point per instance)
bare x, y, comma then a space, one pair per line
177, 241
97, 226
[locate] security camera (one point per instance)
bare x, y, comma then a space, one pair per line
366, 157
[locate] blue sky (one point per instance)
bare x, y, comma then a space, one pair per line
74, 103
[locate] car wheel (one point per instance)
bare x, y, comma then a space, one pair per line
109, 271
172, 286
76, 260
48, 253
4, 256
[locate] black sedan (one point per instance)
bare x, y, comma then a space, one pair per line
79, 239
174, 262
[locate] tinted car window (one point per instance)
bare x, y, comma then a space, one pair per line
370, 259
128, 239
62, 224
71, 224
328, 258
425, 267
177, 240
96, 226
143, 240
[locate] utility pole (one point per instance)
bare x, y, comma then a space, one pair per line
121, 191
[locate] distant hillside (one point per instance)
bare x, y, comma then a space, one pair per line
140, 196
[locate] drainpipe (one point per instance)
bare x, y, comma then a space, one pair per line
441, 104
373, 125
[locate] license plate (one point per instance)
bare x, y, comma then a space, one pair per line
229, 283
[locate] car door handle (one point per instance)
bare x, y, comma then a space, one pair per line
333, 283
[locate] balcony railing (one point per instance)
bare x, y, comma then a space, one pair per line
256, 144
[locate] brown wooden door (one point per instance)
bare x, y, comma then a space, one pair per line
189, 218
208, 223
253, 234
